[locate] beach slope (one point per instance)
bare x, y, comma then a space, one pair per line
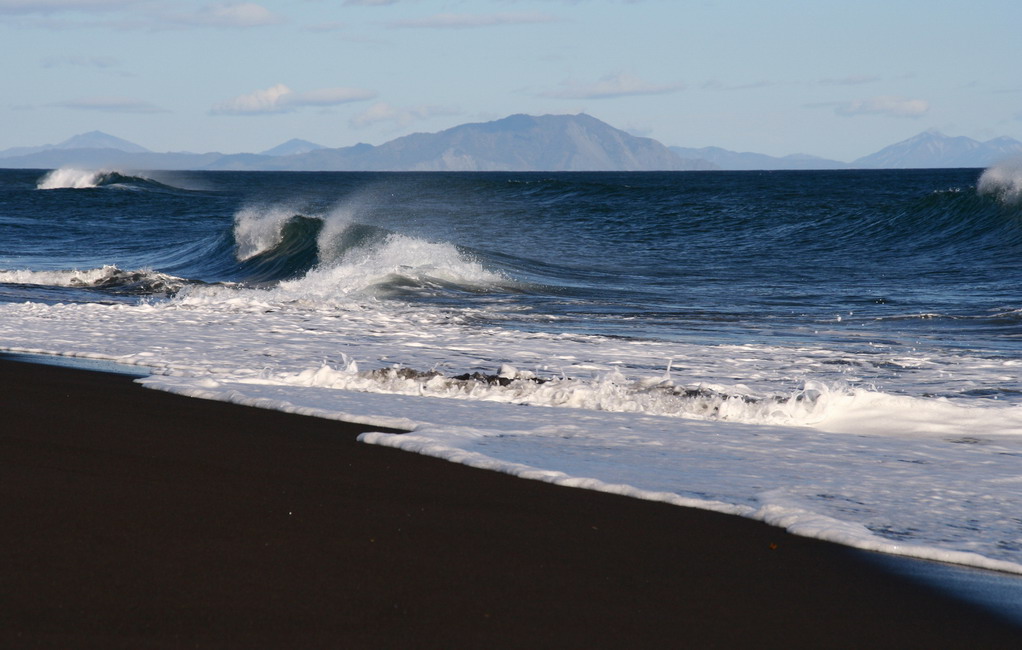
136, 518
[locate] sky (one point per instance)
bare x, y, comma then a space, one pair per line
835, 79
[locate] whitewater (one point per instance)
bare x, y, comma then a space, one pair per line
835, 353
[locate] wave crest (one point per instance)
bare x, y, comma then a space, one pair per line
69, 178
1003, 181
259, 229
83, 179
141, 281
395, 262
317, 257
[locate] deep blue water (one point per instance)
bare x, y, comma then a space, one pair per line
842, 258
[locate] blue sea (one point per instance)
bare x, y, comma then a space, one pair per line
835, 352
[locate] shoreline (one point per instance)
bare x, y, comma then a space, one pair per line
140, 517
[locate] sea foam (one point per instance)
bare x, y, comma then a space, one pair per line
80, 179
257, 229
109, 277
397, 261
70, 178
1003, 180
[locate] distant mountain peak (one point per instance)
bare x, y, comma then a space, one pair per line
292, 147
1003, 141
514, 143
933, 149
514, 122
100, 140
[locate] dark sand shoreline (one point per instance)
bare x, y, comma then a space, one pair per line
136, 518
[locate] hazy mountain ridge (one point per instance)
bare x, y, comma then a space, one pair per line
734, 160
934, 149
89, 158
515, 143
90, 140
292, 147
930, 149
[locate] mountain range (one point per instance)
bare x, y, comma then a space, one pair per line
515, 143
934, 149
930, 149
733, 160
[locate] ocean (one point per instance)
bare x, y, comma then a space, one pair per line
835, 352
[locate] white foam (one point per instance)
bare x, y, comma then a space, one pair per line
258, 229
103, 276
806, 523
70, 178
53, 278
826, 408
335, 223
875, 413
1003, 180
399, 258
396, 259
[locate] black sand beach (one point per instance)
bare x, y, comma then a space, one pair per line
131, 518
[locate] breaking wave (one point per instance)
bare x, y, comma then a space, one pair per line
299, 256
81, 179
1004, 181
111, 278
333, 255
827, 407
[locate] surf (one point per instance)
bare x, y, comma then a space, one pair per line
332, 254
828, 346
1003, 181
142, 282
71, 178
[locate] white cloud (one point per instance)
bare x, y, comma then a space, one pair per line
462, 21
382, 112
621, 84
281, 99
111, 105
260, 101
887, 105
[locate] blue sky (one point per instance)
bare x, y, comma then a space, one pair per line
834, 79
